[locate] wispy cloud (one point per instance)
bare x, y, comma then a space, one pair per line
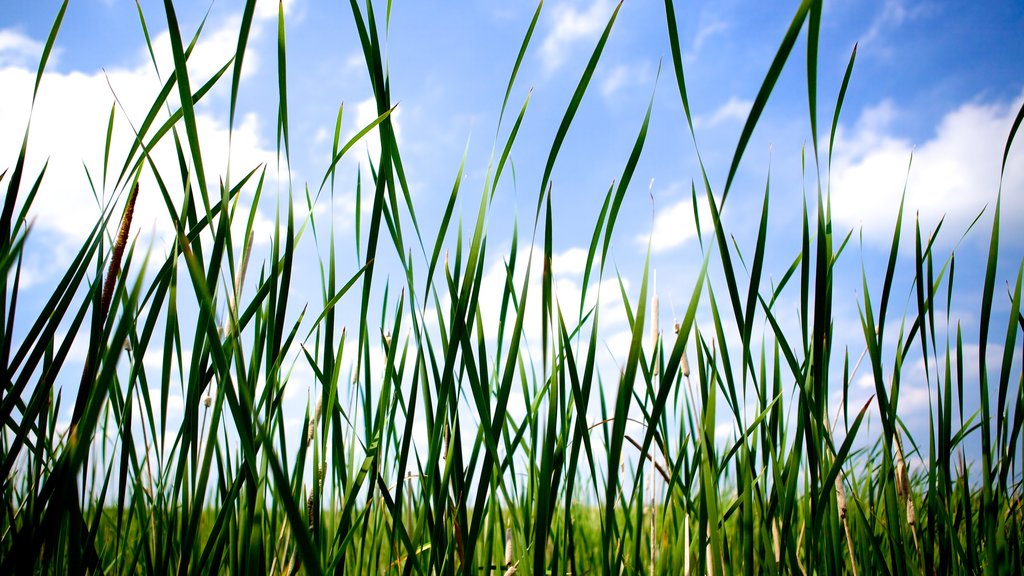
707, 30
570, 26
734, 110
954, 174
624, 75
894, 14
709, 27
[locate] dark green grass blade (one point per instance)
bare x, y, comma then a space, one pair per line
987, 503
443, 227
627, 175
839, 105
574, 104
48, 47
236, 74
185, 95
1009, 346
1009, 139
677, 62
755, 282
619, 423
813, 35
761, 100
282, 90
15, 182
595, 237
890, 269
519, 61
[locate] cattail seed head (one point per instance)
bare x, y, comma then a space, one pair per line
508, 546
312, 423
310, 509
840, 495
902, 478
119, 245
243, 265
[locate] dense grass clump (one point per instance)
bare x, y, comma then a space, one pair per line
797, 490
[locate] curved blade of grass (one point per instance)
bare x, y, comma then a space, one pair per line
1009, 139
282, 90
519, 61
761, 100
19, 166
627, 175
244, 27
185, 95
574, 104
839, 106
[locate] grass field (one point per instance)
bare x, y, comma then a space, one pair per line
802, 488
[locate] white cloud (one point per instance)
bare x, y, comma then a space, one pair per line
675, 224
894, 13
955, 174
624, 75
707, 30
571, 262
571, 25
18, 50
735, 110
69, 128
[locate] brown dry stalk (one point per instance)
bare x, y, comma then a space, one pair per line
657, 466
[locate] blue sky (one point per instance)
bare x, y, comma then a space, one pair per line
939, 80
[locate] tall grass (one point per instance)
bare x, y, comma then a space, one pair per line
797, 490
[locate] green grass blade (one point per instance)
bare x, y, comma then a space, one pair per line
761, 100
